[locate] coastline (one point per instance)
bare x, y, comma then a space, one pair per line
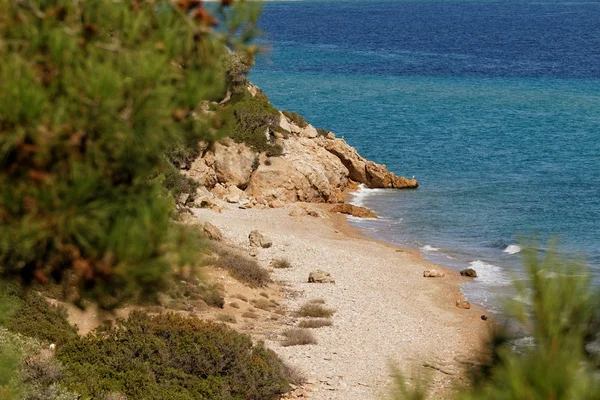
386, 311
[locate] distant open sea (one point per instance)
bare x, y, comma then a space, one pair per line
494, 106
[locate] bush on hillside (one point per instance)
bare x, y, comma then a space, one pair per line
172, 357
34, 317
296, 118
247, 119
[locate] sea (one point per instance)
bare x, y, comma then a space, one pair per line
493, 106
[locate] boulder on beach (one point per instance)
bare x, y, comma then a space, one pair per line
320, 276
470, 272
355, 211
259, 239
212, 232
463, 304
433, 273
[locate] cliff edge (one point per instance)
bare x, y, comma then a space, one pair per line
300, 164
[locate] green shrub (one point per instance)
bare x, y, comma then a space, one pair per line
104, 97
247, 120
322, 132
295, 118
35, 317
192, 289
172, 357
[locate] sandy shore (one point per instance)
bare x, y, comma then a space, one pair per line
386, 311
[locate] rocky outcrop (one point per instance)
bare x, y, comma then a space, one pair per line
233, 163
355, 211
314, 166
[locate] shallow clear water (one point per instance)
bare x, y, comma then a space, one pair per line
493, 106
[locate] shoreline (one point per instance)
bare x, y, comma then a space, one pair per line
386, 310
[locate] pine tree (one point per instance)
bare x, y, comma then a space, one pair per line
93, 95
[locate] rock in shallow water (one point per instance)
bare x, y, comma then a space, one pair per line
470, 272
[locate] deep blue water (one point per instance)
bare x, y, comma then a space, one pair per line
493, 106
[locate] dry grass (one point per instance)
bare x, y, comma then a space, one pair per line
263, 304
241, 267
226, 318
313, 310
279, 311
298, 337
234, 305
315, 323
280, 263
250, 314
317, 301
264, 294
240, 297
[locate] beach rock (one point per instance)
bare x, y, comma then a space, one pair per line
259, 239
320, 276
355, 211
298, 212
403, 183
433, 273
212, 232
484, 317
463, 304
470, 272
377, 175
233, 163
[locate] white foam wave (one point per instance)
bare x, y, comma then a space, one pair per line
490, 274
429, 248
359, 196
512, 249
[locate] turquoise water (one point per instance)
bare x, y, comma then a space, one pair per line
493, 106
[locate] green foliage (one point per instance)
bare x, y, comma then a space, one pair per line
172, 357
35, 317
558, 307
322, 132
559, 314
296, 118
92, 95
248, 118
237, 66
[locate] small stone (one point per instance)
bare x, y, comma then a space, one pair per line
463, 304
433, 273
320, 276
484, 317
259, 239
470, 272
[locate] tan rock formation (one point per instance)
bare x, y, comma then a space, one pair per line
233, 163
355, 211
